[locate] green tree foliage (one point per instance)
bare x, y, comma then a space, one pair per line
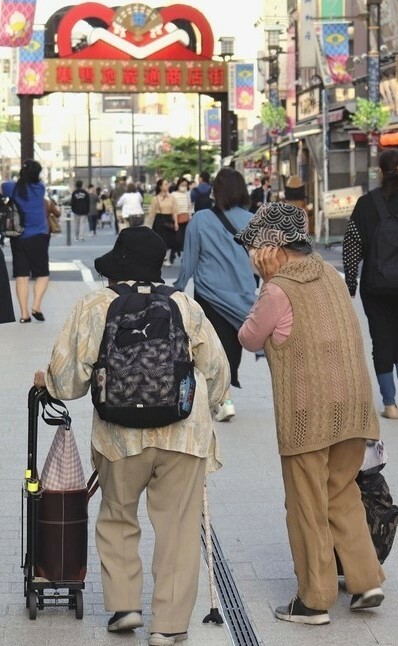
370, 116
273, 116
9, 124
182, 157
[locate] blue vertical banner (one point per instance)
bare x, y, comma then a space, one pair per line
336, 50
332, 44
241, 86
213, 125
31, 65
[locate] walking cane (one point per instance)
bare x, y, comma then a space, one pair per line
214, 614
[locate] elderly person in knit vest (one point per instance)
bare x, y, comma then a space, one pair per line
305, 321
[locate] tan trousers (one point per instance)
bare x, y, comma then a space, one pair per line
174, 487
325, 511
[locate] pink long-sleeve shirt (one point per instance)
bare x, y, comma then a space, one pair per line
271, 315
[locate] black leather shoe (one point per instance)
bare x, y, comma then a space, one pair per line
38, 316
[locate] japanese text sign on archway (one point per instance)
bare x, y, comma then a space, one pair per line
128, 49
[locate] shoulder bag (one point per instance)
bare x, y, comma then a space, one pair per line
167, 218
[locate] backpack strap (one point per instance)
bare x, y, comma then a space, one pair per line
123, 288
381, 206
167, 290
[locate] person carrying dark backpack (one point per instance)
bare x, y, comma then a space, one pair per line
158, 444
201, 194
80, 205
372, 237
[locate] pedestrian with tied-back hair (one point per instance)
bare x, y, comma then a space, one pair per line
30, 249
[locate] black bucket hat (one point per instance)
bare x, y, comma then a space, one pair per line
138, 254
276, 224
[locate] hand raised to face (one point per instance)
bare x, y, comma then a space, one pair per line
267, 262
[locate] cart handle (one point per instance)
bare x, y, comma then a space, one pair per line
55, 411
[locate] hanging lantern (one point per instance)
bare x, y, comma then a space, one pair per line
389, 139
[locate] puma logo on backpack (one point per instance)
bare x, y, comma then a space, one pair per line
144, 376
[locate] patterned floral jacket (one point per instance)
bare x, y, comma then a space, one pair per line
76, 350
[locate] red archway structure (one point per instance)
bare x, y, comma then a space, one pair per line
127, 50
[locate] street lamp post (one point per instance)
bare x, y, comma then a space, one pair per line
89, 143
132, 136
373, 69
228, 117
200, 153
273, 34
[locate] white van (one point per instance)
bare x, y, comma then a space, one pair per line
61, 194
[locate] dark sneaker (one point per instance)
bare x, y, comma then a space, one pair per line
166, 639
125, 621
298, 613
370, 599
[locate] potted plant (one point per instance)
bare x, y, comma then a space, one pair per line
370, 116
274, 117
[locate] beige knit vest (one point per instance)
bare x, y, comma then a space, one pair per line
321, 385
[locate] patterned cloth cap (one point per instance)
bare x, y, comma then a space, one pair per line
276, 224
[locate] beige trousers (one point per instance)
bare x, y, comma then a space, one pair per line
174, 488
325, 511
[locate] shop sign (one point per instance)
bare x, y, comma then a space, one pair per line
340, 203
309, 103
65, 75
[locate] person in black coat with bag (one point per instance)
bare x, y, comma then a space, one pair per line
381, 309
260, 195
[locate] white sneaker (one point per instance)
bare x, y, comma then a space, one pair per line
225, 411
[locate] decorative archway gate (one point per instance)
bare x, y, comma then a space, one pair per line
130, 49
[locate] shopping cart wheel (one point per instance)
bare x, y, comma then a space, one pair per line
32, 604
79, 604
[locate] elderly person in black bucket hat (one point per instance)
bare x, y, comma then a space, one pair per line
169, 462
305, 321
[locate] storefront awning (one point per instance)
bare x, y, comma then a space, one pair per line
306, 129
251, 153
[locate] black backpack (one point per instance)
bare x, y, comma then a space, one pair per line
382, 261
12, 222
144, 376
203, 201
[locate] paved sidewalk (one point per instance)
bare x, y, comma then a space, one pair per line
24, 349
246, 506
